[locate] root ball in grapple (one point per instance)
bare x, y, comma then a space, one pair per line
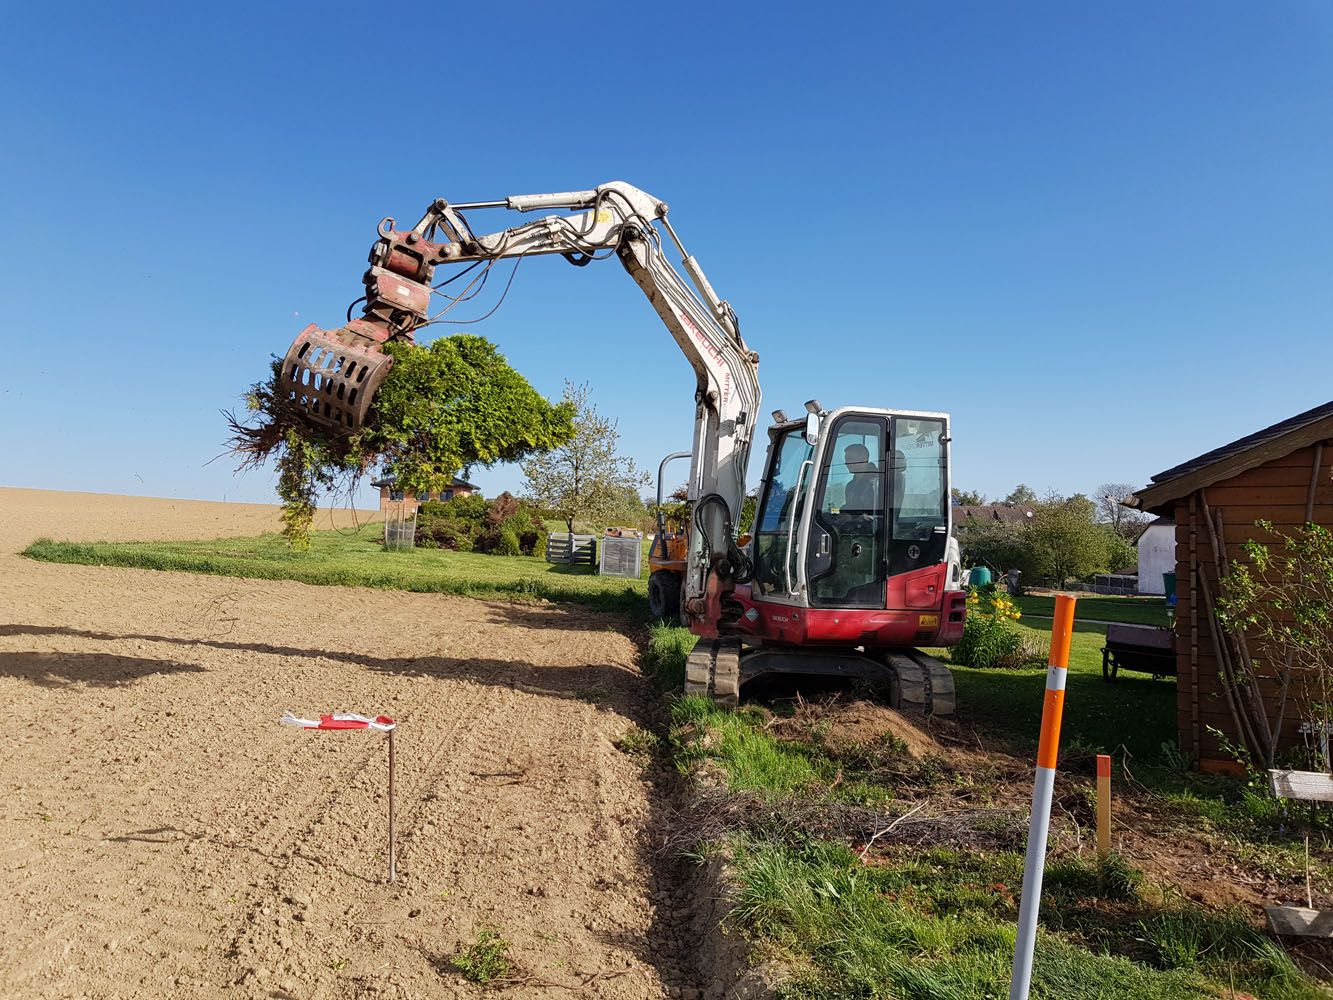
442, 409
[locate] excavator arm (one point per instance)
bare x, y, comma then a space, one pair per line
334, 374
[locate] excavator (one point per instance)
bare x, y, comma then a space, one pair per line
851, 564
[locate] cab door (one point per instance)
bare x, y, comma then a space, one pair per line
780, 517
846, 561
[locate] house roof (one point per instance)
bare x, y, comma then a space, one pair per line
390, 482
1275, 441
1014, 513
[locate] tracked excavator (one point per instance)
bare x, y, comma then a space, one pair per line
851, 564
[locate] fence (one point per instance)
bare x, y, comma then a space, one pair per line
400, 526
1114, 583
572, 550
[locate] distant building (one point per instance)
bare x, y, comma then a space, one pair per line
390, 493
1157, 555
1010, 513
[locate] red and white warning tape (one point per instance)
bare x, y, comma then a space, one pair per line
340, 720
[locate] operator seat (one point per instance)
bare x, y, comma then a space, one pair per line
862, 494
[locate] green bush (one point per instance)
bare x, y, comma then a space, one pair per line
472, 523
507, 544
449, 533
989, 636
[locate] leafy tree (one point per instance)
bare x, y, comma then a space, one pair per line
584, 479
1022, 494
454, 404
441, 409
967, 498
1002, 545
1121, 553
1124, 521
748, 507
1064, 540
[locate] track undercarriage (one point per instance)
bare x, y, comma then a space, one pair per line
718, 668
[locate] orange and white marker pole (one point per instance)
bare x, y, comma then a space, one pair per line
1103, 805
1048, 751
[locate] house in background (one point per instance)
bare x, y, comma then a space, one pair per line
1013, 513
1281, 474
390, 493
1157, 555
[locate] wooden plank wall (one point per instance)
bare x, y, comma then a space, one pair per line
1278, 492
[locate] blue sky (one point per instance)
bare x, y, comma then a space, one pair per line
1100, 235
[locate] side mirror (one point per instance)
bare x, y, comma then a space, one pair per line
812, 429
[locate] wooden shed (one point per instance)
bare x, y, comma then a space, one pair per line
1280, 474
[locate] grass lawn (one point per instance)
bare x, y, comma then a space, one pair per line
1134, 711
356, 559
1131, 610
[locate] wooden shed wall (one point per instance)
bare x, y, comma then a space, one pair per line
1278, 492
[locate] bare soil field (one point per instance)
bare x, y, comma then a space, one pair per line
162, 836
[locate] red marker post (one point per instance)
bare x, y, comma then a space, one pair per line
1048, 752
379, 724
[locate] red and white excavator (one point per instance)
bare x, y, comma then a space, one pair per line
851, 563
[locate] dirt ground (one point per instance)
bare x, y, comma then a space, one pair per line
162, 836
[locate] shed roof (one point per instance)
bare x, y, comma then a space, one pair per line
1275, 441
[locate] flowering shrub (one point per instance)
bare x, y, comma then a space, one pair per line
989, 636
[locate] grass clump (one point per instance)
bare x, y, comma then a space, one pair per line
750, 757
485, 959
743, 745
926, 924
664, 657
639, 742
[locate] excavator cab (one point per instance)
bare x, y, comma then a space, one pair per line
853, 563
853, 528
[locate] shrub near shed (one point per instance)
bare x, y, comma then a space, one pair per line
989, 637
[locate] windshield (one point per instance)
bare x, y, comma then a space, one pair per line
780, 503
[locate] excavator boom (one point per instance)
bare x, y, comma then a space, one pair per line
333, 374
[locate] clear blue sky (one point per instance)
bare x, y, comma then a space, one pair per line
1100, 235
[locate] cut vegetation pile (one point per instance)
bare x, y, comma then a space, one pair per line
869, 868
441, 409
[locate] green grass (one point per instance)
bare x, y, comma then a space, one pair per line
1134, 711
485, 960
1131, 610
356, 559
665, 655
752, 759
938, 924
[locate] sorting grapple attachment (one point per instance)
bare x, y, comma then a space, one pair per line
332, 375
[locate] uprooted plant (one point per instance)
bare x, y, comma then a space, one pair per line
441, 410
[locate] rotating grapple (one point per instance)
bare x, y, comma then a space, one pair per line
333, 375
